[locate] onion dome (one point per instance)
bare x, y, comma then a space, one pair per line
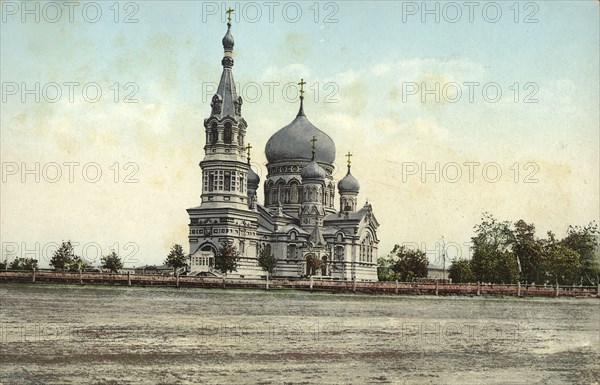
228, 39
348, 184
313, 171
289, 143
253, 179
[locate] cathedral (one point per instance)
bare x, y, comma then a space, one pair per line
298, 223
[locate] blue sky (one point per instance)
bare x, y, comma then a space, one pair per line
364, 60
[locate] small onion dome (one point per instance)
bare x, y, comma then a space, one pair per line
228, 39
313, 171
348, 184
253, 179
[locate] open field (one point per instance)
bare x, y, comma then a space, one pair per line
67, 334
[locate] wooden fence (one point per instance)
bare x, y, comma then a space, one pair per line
429, 288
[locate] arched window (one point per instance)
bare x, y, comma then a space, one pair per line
227, 133
268, 193
291, 249
280, 193
294, 192
339, 253
214, 134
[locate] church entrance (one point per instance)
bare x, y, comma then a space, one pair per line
316, 266
313, 265
202, 260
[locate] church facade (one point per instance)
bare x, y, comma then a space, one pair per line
299, 222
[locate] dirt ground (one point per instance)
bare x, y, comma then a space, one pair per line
69, 334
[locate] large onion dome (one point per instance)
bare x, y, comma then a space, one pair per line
289, 143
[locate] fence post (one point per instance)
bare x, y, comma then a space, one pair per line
396, 286
354, 285
311, 283
177, 280
518, 288
223, 283
267, 285
33, 276
556, 291
80, 278
478, 288
436, 287
598, 290
128, 278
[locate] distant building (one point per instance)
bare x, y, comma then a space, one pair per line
153, 269
437, 273
298, 222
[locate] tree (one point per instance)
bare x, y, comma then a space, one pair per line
561, 264
63, 257
176, 258
584, 240
23, 264
227, 258
384, 269
314, 264
492, 259
112, 262
528, 251
409, 264
267, 261
460, 271
78, 264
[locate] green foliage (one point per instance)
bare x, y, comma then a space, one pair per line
492, 234
460, 271
384, 270
584, 240
3, 265
112, 262
64, 257
528, 250
409, 264
562, 264
492, 259
266, 260
227, 258
23, 264
79, 263
176, 258
498, 248
314, 264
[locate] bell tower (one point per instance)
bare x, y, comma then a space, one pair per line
224, 170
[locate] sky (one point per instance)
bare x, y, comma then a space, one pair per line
450, 109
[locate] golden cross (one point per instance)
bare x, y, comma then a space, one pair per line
229, 12
313, 140
248, 147
349, 155
301, 84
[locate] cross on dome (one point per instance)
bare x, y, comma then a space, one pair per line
229, 12
313, 140
301, 84
248, 148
